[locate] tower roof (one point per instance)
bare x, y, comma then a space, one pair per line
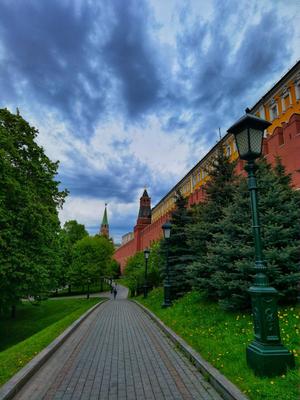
145, 194
105, 219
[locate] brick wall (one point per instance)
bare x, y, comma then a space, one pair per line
284, 142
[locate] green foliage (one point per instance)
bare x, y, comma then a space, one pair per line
219, 192
113, 270
155, 260
74, 231
29, 224
91, 258
71, 232
222, 337
34, 329
135, 270
177, 249
230, 251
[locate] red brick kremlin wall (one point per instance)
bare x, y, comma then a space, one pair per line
284, 142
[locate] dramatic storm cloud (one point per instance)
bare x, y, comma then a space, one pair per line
132, 93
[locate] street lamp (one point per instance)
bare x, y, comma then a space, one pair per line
167, 286
265, 355
146, 256
88, 288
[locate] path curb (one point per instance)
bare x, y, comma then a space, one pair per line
14, 385
222, 385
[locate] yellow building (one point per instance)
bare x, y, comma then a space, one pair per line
276, 106
281, 101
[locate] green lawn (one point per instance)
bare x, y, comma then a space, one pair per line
33, 329
221, 338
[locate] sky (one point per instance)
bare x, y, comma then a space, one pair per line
128, 94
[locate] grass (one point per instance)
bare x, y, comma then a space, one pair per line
33, 329
221, 338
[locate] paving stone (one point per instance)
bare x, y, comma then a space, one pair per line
118, 353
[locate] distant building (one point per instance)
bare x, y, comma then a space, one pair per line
127, 237
104, 229
281, 106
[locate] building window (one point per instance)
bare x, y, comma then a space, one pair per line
286, 102
273, 112
194, 180
262, 112
297, 87
228, 150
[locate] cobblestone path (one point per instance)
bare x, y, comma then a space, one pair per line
117, 353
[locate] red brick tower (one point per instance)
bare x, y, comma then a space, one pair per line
144, 218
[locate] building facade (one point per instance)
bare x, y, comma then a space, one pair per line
281, 106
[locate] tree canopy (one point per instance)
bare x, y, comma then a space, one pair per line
91, 258
177, 249
29, 202
224, 258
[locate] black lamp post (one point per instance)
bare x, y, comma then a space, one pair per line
265, 355
146, 256
167, 286
88, 288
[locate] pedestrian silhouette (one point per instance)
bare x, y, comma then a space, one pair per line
115, 293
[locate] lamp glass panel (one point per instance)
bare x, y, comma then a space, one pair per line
146, 253
256, 137
167, 233
242, 143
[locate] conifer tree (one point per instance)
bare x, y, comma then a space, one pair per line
205, 219
178, 250
230, 254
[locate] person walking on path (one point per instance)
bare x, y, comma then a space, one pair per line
115, 293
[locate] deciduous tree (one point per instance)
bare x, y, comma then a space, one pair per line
29, 200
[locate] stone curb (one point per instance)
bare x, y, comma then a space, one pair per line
14, 385
222, 385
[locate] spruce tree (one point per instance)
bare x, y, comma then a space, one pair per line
179, 253
231, 252
205, 218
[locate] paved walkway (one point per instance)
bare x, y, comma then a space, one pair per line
117, 353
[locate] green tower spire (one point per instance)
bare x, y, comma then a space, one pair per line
104, 231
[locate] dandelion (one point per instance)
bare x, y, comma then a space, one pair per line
272, 382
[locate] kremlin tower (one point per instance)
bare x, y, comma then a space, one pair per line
144, 218
104, 230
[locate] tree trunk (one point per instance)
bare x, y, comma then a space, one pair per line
69, 288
